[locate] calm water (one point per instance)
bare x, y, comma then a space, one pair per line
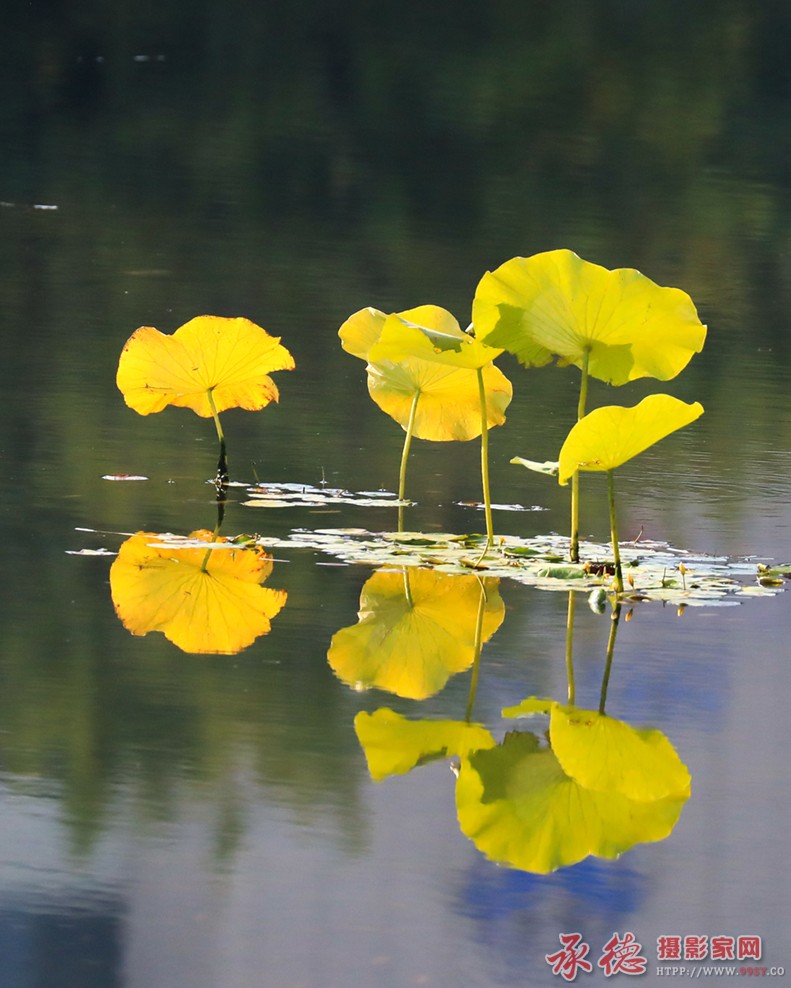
183, 820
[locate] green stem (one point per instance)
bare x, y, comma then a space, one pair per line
616, 549
404, 457
407, 588
570, 648
487, 498
616, 615
574, 549
215, 535
222, 463
476, 662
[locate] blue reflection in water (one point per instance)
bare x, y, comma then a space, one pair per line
518, 916
70, 949
491, 893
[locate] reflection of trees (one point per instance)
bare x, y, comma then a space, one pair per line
96, 715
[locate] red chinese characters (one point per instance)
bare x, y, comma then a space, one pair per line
570, 959
622, 956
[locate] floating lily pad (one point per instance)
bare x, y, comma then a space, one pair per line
308, 496
652, 568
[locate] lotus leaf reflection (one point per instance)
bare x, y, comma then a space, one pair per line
204, 599
417, 628
519, 807
394, 745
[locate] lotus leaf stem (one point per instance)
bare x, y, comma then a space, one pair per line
616, 616
574, 548
476, 662
222, 463
616, 549
570, 648
204, 566
407, 588
404, 457
487, 499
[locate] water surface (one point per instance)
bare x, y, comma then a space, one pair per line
173, 819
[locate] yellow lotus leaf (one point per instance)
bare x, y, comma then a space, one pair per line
557, 304
394, 745
201, 599
361, 331
520, 808
449, 406
231, 359
608, 755
430, 333
417, 628
609, 436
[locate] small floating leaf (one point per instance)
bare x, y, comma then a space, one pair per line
548, 467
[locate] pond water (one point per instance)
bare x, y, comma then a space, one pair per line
175, 819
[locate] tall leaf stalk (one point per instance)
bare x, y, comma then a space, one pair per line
487, 498
410, 428
574, 548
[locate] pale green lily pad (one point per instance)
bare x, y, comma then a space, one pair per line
309, 496
651, 568
394, 745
